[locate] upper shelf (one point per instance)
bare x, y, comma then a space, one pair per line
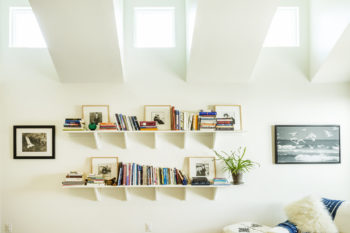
97, 135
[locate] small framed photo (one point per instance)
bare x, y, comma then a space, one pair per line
95, 114
105, 166
307, 144
228, 111
34, 142
202, 167
160, 114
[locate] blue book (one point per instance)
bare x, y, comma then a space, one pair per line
207, 113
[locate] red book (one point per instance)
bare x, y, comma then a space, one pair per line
148, 123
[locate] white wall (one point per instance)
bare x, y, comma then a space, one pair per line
35, 202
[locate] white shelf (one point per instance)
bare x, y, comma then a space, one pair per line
126, 188
97, 135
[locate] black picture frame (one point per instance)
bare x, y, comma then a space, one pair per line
307, 144
49, 142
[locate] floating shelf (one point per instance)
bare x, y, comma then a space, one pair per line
97, 135
125, 189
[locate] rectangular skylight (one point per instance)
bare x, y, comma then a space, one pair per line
24, 29
284, 29
154, 27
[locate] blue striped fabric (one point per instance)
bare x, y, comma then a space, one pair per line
331, 205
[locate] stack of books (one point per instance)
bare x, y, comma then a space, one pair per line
220, 181
107, 126
135, 174
148, 125
126, 123
73, 178
95, 180
207, 121
73, 124
225, 123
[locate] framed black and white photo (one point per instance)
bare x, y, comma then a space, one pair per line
95, 114
107, 167
307, 144
160, 114
202, 167
34, 142
230, 111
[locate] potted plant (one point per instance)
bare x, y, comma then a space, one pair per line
236, 164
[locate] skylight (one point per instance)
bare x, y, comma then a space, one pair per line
284, 29
24, 29
154, 27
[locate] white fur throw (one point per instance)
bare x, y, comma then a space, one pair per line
310, 215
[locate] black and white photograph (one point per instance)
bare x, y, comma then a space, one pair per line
34, 142
307, 144
95, 118
230, 111
202, 167
160, 114
105, 166
95, 114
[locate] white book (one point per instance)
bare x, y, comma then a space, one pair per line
190, 121
129, 124
185, 121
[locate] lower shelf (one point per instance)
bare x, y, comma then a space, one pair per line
156, 188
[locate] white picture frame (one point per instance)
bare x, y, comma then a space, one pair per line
95, 114
234, 111
202, 167
160, 114
105, 166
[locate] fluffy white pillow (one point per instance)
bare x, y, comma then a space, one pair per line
310, 215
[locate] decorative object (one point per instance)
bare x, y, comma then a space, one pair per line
107, 167
310, 215
34, 142
230, 111
95, 114
235, 164
311, 144
202, 167
92, 126
159, 114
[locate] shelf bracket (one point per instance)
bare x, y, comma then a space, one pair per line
156, 194
97, 140
155, 135
126, 194
185, 193
126, 142
215, 191
214, 140
185, 140
97, 194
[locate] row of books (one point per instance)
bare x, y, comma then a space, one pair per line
126, 123
73, 178
135, 174
73, 124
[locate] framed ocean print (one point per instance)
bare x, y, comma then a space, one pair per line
230, 111
202, 167
34, 142
95, 114
160, 114
307, 144
105, 166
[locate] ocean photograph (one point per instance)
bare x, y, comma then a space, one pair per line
307, 144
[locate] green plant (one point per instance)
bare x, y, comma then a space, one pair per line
234, 162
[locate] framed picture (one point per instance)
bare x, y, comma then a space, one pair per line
34, 142
296, 144
227, 111
105, 166
202, 167
95, 114
160, 114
